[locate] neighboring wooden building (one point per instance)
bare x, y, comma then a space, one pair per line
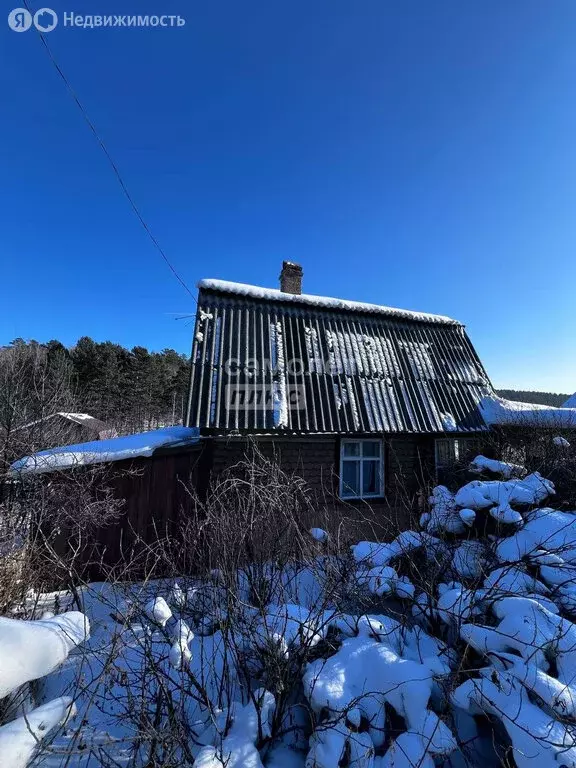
59, 429
363, 401
158, 495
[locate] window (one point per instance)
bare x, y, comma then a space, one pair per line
468, 448
361, 469
450, 452
446, 453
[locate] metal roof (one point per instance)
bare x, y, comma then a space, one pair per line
261, 363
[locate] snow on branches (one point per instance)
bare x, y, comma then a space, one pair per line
507, 597
452, 645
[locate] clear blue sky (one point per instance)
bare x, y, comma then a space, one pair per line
413, 153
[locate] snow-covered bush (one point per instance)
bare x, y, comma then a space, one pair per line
543, 447
505, 603
30, 650
452, 645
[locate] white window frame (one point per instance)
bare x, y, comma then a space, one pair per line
361, 459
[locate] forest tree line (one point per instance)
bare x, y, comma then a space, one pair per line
128, 389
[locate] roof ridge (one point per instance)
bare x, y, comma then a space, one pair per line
328, 302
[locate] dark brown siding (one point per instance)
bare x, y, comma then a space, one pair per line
408, 467
155, 502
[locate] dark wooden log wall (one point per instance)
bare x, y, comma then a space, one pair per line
157, 494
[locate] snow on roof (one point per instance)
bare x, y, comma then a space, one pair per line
571, 402
79, 418
100, 451
272, 294
498, 411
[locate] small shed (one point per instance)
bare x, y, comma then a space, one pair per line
154, 475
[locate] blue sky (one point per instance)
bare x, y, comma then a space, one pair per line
418, 154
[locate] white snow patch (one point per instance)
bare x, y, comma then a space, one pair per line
377, 554
513, 579
498, 496
496, 410
158, 611
279, 358
21, 738
32, 649
546, 529
237, 749
383, 579
443, 516
456, 604
98, 451
365, 674
319, 534
537, 738
571, 402
481, 464
407, 751
470, 559
468, 516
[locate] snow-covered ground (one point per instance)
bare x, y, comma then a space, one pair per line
453, 645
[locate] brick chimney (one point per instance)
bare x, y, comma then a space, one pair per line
291, 277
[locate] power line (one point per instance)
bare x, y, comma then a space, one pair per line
110, 160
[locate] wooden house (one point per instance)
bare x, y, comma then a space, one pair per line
370, 405
365, 402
